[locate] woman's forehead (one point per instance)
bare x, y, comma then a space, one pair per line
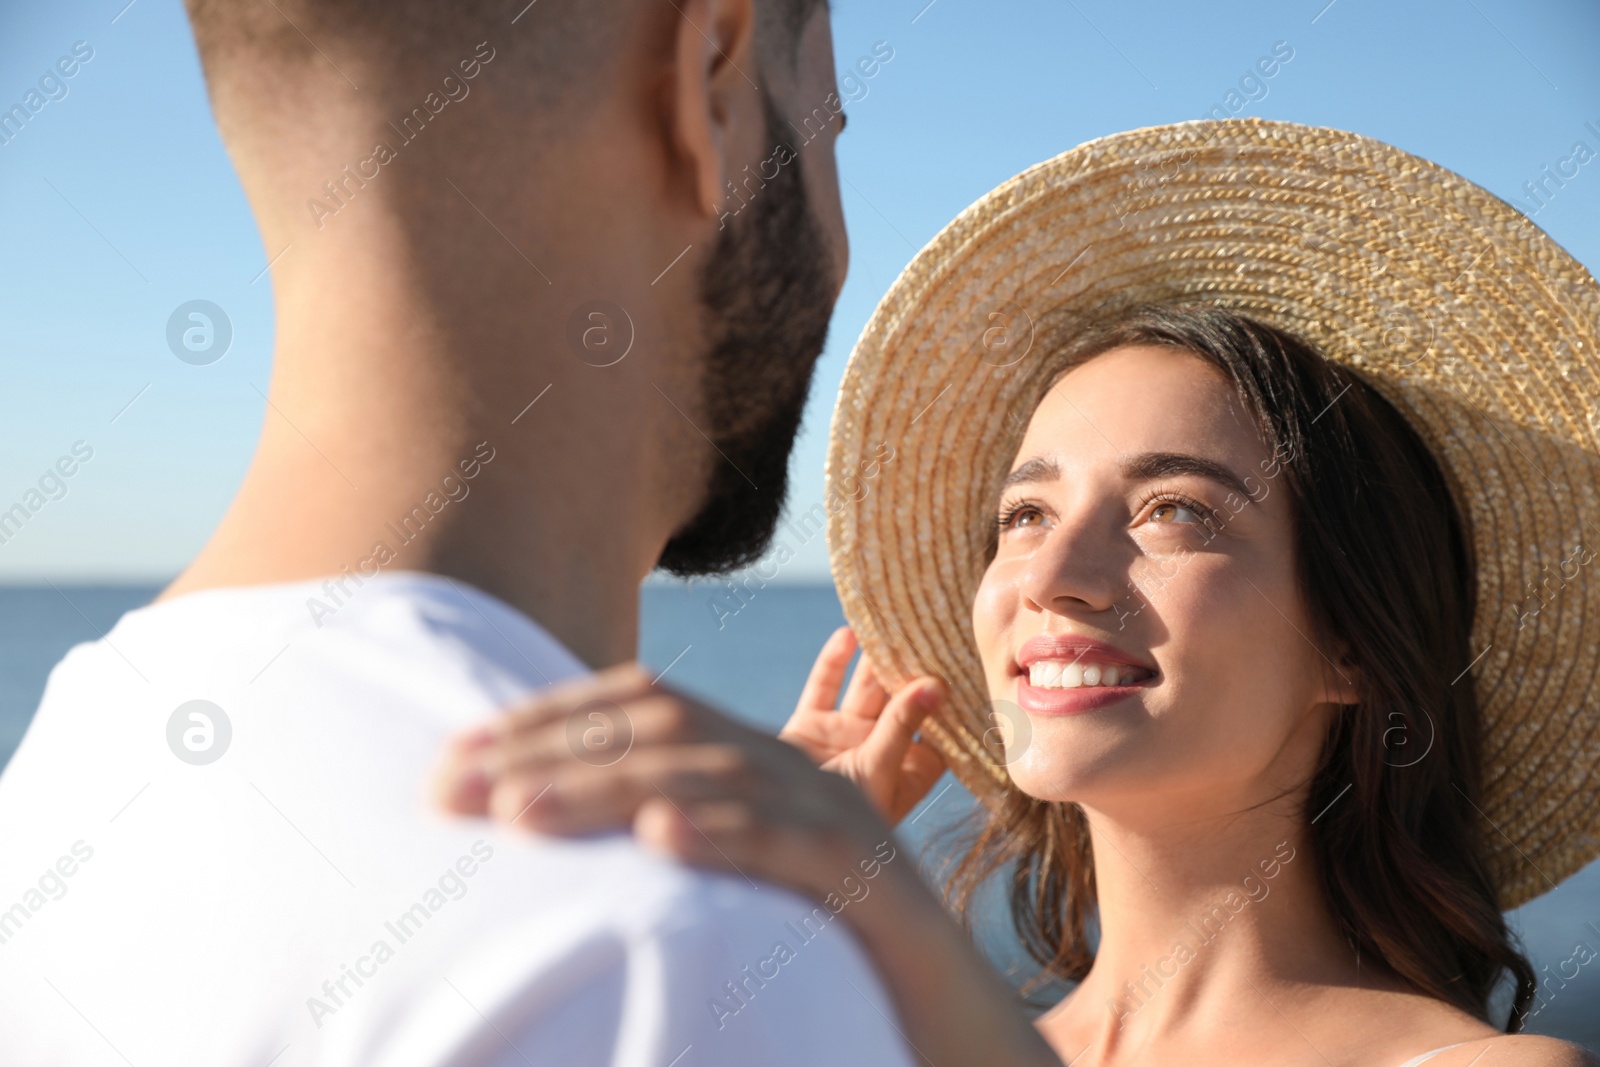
1142, 398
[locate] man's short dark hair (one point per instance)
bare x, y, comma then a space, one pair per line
252, 45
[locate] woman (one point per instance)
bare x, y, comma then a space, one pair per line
1223, 456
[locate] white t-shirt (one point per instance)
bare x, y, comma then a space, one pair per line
297, 901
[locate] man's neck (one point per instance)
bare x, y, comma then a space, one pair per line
401, 432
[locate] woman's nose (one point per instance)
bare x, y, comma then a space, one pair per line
1078, 568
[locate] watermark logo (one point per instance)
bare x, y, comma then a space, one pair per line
1408, 334
51, 885
1550, 583
796, 531
199, 732
199, 332
340, 191
1397, 736
600, 333
52, 485
451, 885
1010, 732
1007, 335
599, 733
738, 992
1550, 181
52, 86
398, 533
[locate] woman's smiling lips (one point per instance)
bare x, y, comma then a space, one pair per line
1064, 675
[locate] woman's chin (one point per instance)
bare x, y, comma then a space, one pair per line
1067, 772
1066, 744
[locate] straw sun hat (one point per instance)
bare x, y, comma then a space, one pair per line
1465, 315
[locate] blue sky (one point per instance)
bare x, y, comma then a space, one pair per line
120, 203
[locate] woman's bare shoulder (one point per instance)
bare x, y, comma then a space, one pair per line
1389, 1026
1520, 1050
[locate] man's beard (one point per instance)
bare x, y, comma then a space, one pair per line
768, 295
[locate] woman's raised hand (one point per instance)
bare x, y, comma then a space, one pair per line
869, 736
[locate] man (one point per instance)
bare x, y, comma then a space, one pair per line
550, 286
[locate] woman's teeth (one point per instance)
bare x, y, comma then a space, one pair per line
1049, 674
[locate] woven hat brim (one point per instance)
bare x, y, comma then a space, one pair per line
1469, 318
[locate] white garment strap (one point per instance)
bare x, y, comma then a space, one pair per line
1413, 1061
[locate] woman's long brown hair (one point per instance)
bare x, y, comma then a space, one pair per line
1387, 572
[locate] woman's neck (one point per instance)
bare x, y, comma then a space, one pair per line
1197, 915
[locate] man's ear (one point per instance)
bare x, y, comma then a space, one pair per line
715, 84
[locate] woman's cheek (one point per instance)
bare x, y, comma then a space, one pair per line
1186, 580
994, 610
1214, 622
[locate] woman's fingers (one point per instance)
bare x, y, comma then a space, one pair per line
884, 752
827, 674
554, 703
592, 733
729, 835
462, 790
661, 825
579, 799
865, 698
705, 834
922, 767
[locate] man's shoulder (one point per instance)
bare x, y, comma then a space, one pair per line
416, 645
367, 627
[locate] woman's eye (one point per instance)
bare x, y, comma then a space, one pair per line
1171, 512
1022, 515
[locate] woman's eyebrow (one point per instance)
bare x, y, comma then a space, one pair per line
1148, 465
1037, 469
